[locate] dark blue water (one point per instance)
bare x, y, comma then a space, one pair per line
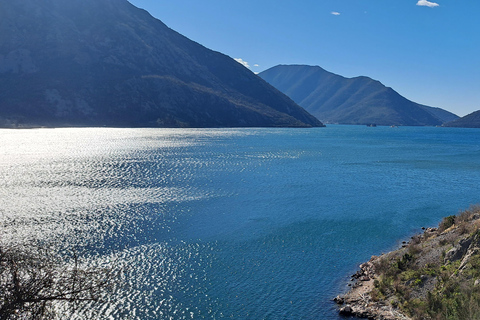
232, 223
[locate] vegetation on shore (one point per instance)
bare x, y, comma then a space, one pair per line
33, 279
434, 276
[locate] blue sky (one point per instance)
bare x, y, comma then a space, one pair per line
428, 51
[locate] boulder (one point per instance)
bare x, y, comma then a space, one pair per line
364, 278
346, 311
457, 252
339, 300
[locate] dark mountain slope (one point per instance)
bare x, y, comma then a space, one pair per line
361, 100
106, 62
471, 120
444, 115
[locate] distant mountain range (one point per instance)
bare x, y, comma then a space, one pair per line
108, 63
361, 100
471, 120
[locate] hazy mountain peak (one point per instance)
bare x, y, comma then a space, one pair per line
360, 100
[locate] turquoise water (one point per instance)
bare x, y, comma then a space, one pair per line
231, 223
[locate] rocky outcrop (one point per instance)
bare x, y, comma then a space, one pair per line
358, 301
458, 251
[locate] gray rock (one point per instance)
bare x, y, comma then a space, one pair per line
339, 300
466, 259
346, 311
457, 252
364, 278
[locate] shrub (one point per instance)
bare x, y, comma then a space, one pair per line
468, 215
403, 263
31, 280
382, 265
414, 249
446, 223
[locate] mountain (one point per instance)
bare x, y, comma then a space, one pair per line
471, 120
361, 100
108, 63
444, 115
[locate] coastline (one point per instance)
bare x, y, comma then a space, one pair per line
358, 301
432, 276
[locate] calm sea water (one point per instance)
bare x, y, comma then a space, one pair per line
231, 223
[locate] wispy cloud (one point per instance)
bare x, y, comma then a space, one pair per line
425, 3
256, 65
335, 13
241, 61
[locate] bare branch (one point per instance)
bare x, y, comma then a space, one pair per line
31, 282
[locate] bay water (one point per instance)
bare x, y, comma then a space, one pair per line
231, 223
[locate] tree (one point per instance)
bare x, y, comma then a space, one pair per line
30, 282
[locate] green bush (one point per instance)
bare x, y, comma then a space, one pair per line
446, 223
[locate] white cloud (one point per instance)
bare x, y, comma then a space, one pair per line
256, 65
335, 13
426, 3
245, 63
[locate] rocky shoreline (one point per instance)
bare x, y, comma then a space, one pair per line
358, 301
436, 275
